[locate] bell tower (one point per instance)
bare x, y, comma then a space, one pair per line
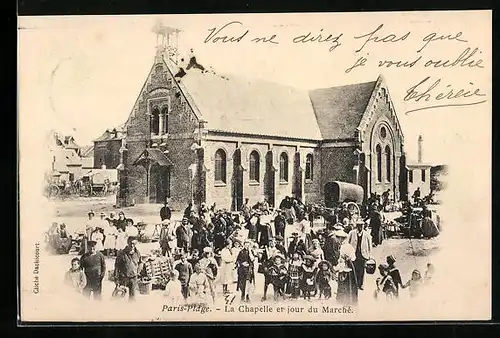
167, 42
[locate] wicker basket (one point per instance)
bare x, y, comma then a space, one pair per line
370, 266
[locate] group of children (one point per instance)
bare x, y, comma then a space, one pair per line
110, 233
390, 282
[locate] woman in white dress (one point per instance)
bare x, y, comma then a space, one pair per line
131, 230
199, 286
110, 240
98, 236
227, 266
121, 239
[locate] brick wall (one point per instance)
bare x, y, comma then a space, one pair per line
382, 116
161, 89
337, 165
107, 153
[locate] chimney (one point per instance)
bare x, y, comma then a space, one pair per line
420, 150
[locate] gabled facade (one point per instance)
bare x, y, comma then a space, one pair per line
203, 137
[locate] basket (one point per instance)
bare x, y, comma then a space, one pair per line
370, 266
144, 286
160, 267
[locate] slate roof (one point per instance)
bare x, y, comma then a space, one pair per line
251, 106
339, 109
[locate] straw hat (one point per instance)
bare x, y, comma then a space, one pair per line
340, 233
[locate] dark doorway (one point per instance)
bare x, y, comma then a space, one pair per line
160, 177
269, 179
297, 181
237, 182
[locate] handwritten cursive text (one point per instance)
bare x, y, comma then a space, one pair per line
422, 91
215, 34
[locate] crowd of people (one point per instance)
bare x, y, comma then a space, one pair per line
212, 248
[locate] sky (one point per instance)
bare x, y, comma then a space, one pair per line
83, 74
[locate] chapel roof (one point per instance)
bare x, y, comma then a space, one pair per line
339, 110
233, 104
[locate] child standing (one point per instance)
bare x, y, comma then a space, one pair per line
75, 277
308, 276
385, 283
414, 283
278, 275
324, 277
294, 275
121, 239
173, 289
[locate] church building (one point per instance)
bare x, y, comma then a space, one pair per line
196, 136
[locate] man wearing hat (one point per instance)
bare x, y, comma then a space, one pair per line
279, 244
165, 211
94, 267
128, 265
361, 241
165, 238
279, 224
296, 246
183, 235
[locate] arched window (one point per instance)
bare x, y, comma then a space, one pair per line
254, 166
220, 166
378, 150
155, 122
388, 163
309, 167
284, 167
164, 113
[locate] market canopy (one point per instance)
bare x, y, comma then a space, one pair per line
153, 155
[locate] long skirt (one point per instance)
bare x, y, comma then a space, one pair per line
347, 287
226, 273
110, 241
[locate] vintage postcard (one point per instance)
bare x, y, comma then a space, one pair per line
304, 167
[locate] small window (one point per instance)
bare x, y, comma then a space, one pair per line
309, 167
423, 175
383, 132
410, 176
388, 163
254, 166
220, 166
378, 150
155, 122
284, 167
71, 177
